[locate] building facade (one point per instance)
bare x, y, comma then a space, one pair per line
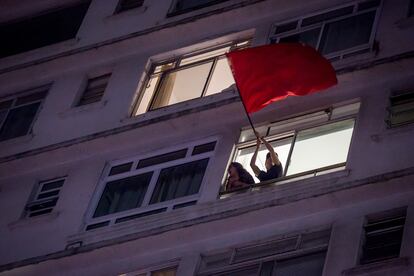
119, 119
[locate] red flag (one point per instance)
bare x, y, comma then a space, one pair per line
270, 73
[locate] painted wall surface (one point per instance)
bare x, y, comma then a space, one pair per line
79, 142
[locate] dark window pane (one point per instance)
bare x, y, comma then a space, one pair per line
5, 105
326, 16
52, 185
48, 194
31, 98
267, 269
120, 168
250, 270
186, 5
123, 194
368, 5
128, 5
42, 30
97, 225
18, 121
308, 37
182, 205
42, 212
179, 181
411, 8
309, 265
204, 148
47, 204
347, 33
161, 158
94, 90
286, 27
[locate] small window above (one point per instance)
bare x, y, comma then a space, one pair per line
401, 109
183, 6
45, 197
125, 5
94, 90
383, 236
411, 8
42, 30
337, 33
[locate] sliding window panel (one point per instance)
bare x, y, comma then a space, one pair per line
18, 121
179, 181
309, 265
123, 194
182, 85
347, 33
321, 146
221, 78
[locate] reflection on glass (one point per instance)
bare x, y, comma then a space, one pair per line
182, 85
243, 156
221, 78
347, 33
321, 146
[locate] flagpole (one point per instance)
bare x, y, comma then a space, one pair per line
245, 109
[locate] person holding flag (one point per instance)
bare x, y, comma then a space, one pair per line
274, 168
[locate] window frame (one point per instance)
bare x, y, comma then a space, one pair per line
37, 190
176, 60
172, 11
301, 125
390, 106
41, 89
146, 207
227, 257
85, 84
337, 55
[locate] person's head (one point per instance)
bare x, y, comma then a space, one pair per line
269, 162
235, 169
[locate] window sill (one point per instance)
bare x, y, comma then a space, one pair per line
367, 269
26, 221
18, 140
195, 105
82, 109
405, 23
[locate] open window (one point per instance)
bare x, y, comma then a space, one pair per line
336, 33
307, 145
186, 77
144, 186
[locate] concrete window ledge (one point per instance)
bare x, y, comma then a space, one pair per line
82, 109
367, 269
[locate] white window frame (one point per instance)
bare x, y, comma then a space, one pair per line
110, 219
290, 128
16, 97
173, 12
37, 191
154, 268
227, 258
176, 60
339, 54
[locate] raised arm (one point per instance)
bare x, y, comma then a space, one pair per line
273, 155
253, 165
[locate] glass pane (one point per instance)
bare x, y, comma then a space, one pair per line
326, 16
267, 269
347, 33
123, 194
182, 85
245, 271
18, 121
411, 9
120, 168
179, 181
321, 146
221, 79
161, 158
165, 272
192, 4
148, 93
308, 37
282, 147
210, 54
310, 265
52, 185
